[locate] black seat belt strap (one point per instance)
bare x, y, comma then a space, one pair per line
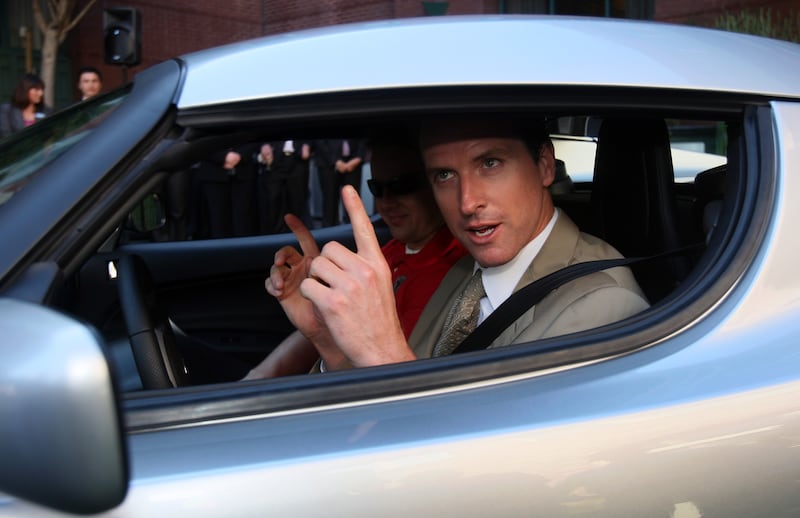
528, 296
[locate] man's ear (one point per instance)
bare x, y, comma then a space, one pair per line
547, 164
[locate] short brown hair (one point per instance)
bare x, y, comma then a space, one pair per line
531, 131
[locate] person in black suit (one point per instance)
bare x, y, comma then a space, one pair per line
339, 163
225, 193
283, 183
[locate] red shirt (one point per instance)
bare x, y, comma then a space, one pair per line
416, 276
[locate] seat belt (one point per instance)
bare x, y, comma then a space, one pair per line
530, 295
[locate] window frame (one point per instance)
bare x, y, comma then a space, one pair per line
712, 280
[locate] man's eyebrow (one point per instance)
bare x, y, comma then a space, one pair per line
492, 152
433, 170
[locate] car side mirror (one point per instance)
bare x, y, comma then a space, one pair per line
148, 215
61, 435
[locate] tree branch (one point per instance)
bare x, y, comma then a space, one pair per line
80, 15
37, 15
52, 8
61, 16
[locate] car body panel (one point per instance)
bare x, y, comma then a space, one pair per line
426, 53
699, 419
608, 439
606, 459
592, 438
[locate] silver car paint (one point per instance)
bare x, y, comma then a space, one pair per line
87, 470
475, 51
672, 430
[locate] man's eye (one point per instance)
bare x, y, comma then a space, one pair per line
491, 162
440, 176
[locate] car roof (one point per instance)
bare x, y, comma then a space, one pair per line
491, 50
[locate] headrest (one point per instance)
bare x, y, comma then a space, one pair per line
562, 183
710, 184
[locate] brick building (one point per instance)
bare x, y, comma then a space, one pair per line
699, 12
182, 26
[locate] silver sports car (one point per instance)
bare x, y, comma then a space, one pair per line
132, 293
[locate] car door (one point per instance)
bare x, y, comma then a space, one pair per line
686, 409
212, 291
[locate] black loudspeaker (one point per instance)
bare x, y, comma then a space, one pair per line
122, 31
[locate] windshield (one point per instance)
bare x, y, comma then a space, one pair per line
28, 151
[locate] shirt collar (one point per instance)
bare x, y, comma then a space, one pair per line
499, 281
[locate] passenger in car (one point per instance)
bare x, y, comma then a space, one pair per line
490, 178
420, 253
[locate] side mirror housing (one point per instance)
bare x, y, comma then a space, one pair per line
61, 434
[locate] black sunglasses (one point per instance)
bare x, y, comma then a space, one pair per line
397, 186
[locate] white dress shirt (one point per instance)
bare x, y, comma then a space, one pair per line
499, 281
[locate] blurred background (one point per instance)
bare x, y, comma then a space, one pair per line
56, 38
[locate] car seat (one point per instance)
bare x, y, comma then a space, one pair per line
633, 204
710, 191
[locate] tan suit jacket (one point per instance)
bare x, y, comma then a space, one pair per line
590, 301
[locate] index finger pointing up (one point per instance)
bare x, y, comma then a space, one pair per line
363, 231
307, 243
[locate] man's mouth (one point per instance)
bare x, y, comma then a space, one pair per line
483, 231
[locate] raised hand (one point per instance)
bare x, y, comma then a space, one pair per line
352, 293
286, 274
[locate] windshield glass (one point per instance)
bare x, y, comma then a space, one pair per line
28, 151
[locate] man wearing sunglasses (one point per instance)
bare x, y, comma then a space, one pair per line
420, 253
490, 178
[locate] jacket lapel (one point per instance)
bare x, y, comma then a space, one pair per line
556, 253
429, 326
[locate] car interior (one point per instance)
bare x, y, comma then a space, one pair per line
194, 312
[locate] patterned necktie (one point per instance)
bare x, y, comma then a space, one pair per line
463, 317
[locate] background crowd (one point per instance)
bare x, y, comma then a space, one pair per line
242, 191
246, 190
26, 105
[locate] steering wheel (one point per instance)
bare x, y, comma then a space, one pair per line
154, 348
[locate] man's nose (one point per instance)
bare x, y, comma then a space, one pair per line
472, 195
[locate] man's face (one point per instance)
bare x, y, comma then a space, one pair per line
412, 218
89, 84
492, 193
266, 153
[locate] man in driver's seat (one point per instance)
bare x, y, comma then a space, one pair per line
490, 178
